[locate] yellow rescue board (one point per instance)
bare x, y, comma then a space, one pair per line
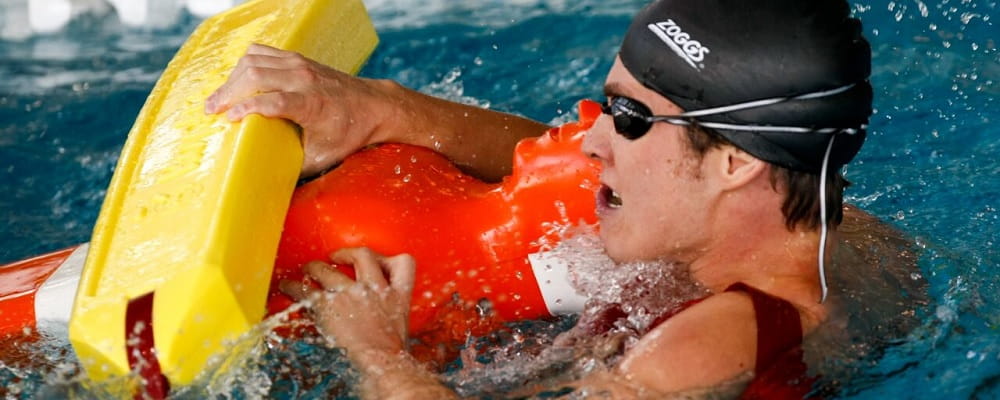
196, 205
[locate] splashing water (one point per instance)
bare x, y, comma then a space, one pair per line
644, 291
282, 357
625, 300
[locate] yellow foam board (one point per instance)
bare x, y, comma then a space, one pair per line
195, 207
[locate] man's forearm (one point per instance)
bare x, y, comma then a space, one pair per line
397, 376
478, 140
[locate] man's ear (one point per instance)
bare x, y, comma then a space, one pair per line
736, 168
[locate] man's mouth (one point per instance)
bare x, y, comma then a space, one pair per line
610, 197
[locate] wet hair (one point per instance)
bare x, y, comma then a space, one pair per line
800, 206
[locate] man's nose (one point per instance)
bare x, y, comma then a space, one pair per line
597, 142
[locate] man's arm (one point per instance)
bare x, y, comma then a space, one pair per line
397, 376
340, 114
480, 141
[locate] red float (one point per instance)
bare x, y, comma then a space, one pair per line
473, 242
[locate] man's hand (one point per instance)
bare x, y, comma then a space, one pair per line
368, 318
338, 113
367, 315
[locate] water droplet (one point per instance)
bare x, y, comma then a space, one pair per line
407, 178
484, 307
397, 169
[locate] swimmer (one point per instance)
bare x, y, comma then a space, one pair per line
723, 134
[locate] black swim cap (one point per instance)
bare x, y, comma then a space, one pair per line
705, 54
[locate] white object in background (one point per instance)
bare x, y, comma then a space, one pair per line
208, 8
48, 16
156, 14
14, 14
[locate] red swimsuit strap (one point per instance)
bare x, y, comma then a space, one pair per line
779, 328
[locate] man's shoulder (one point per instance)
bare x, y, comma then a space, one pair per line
708, 343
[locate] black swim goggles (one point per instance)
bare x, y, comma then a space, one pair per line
633, 119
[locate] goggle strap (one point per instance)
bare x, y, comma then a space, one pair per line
678, 120
822, 218
766, 102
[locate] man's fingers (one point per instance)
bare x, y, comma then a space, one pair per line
366, 265
402, 272
328, 277
257, 48
244, 84
288, 58
271, 105
297, 290
265, 61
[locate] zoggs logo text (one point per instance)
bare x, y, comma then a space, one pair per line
680, 42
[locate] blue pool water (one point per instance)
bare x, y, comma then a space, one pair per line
930, 167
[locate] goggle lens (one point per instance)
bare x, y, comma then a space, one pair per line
632, 119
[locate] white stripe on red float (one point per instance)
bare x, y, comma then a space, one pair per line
54, 299
552, 275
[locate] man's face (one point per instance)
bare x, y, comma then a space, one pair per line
652, 203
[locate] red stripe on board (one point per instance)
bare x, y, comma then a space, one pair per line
141, 349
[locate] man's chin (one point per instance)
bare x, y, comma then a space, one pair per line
613, 248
